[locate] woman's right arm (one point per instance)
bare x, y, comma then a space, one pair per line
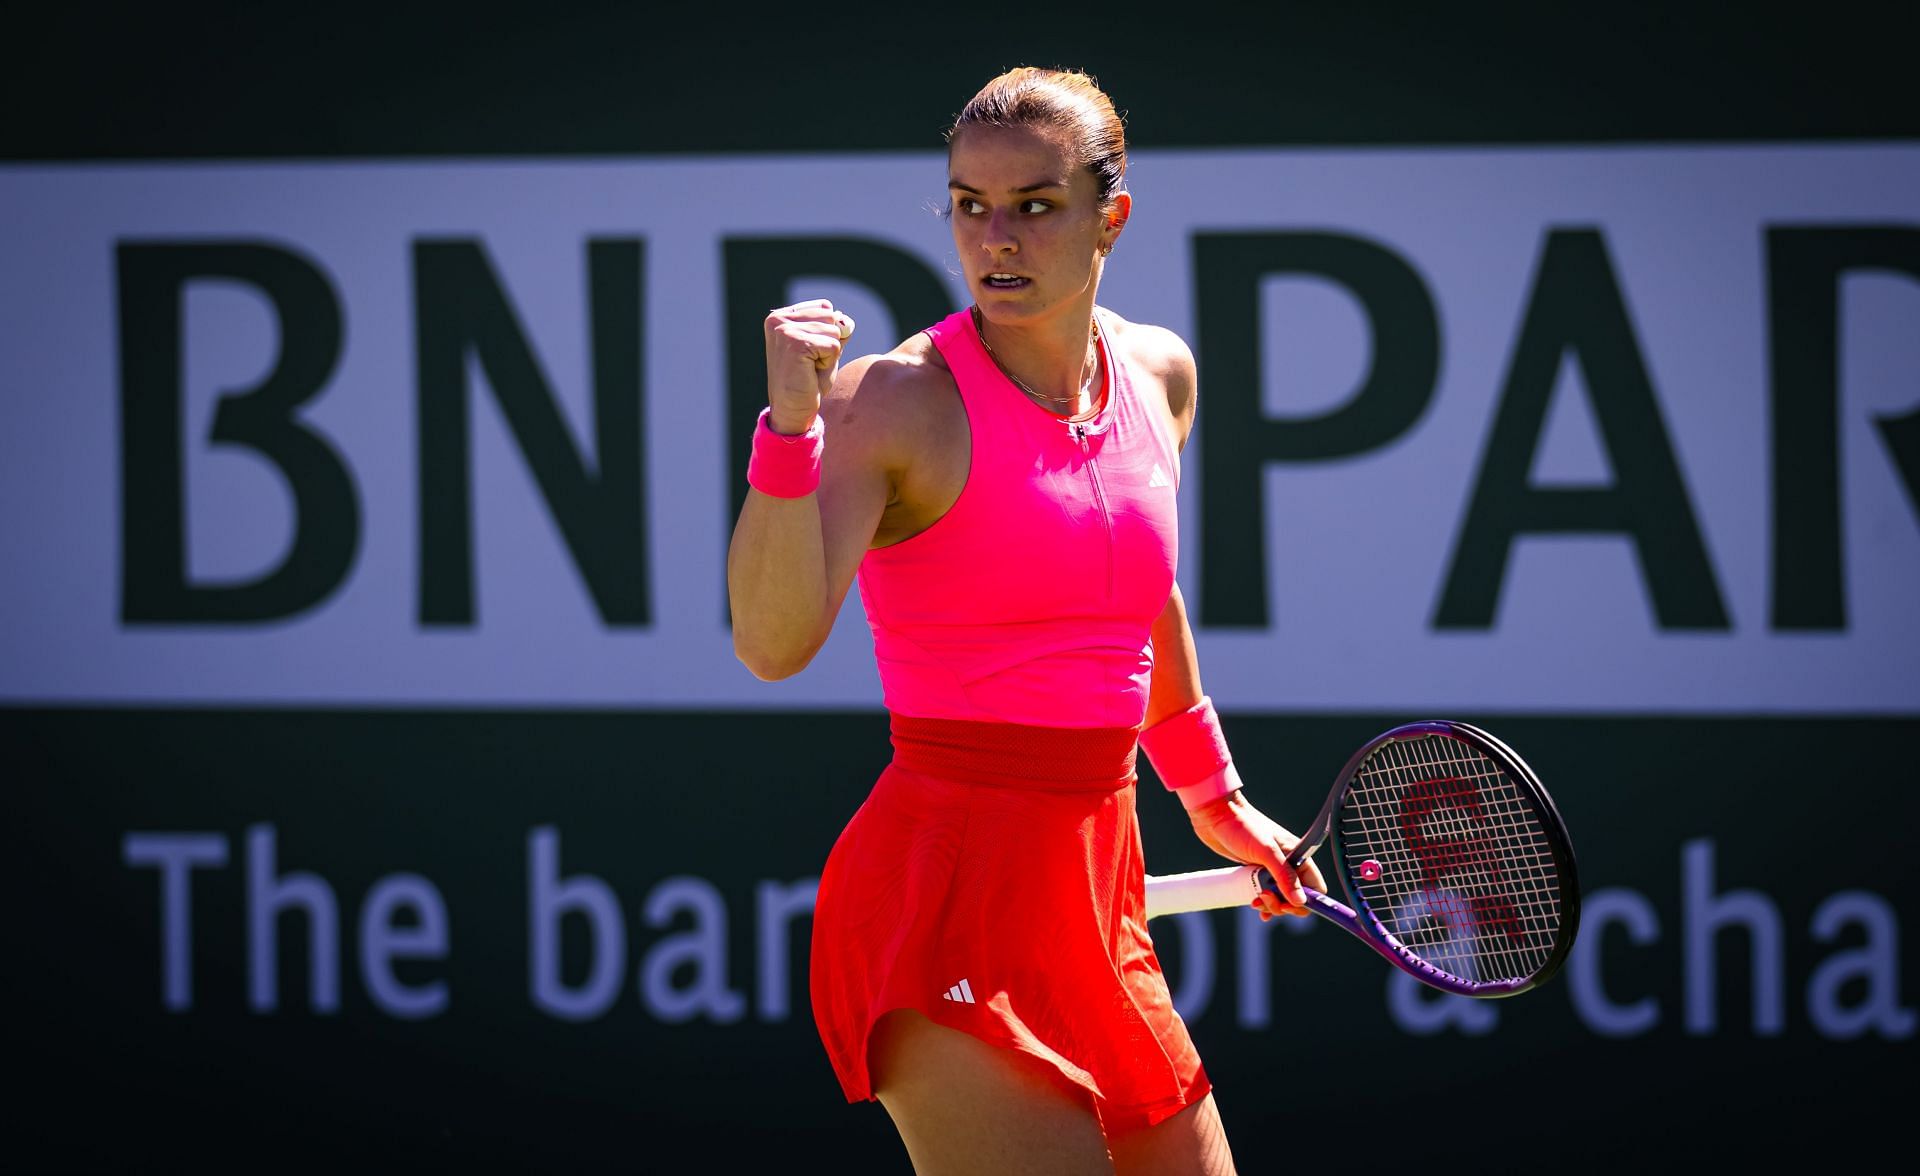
792, 560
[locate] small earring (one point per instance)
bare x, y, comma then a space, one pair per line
1105, 250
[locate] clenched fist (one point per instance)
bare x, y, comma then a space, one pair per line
803, 354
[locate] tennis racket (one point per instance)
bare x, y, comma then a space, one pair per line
1455, 860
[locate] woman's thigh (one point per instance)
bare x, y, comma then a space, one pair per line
963, 1106
1191, 1143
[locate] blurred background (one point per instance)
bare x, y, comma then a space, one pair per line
374, 393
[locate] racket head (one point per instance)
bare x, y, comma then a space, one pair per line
1455, 859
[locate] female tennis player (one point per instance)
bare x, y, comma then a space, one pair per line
1003, 484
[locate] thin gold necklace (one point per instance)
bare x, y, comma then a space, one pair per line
1086, 384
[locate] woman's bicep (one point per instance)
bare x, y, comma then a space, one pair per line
862, 464
792, 560
854, 489
1183, 390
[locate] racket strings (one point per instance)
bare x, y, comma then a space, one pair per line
1468, 880
1456, 902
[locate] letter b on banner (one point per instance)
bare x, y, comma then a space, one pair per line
154, 588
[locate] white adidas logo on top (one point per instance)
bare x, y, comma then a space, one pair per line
1159, 477
962, 992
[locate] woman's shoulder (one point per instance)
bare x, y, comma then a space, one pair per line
902, 379
892, 398
1157, 354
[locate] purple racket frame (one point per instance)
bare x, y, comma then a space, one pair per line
1360, 920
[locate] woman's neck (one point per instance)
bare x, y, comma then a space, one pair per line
1053, 361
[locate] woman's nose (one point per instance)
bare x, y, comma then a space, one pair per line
999, 237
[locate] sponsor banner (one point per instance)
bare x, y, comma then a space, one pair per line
569, 938
1591, 430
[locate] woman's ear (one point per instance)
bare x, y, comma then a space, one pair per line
1117, 214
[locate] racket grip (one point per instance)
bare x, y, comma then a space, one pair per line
1205, 890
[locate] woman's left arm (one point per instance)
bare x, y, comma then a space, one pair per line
1183, 739
1184, 743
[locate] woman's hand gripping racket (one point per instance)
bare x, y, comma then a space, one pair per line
1455, 860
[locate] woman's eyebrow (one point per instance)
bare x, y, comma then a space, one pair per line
957, 186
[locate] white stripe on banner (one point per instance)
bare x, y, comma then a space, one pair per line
1595, 430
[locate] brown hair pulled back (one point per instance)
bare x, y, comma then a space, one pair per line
1061, 100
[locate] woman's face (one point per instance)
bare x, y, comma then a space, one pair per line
1026, 221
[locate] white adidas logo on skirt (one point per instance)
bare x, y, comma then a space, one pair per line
961, 992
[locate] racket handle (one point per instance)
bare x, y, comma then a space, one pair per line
1231, 886
1204, 890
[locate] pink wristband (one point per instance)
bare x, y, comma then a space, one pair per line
786, 466
1189, 752
1210, 788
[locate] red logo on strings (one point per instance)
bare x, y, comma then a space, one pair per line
1445, 828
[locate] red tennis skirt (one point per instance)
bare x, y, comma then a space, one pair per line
993, 881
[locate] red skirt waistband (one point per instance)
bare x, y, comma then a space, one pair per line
1013, 755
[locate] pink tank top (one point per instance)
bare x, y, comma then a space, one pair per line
1032, 600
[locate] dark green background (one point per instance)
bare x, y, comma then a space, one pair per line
116, 1080
359, 79
1798, 808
